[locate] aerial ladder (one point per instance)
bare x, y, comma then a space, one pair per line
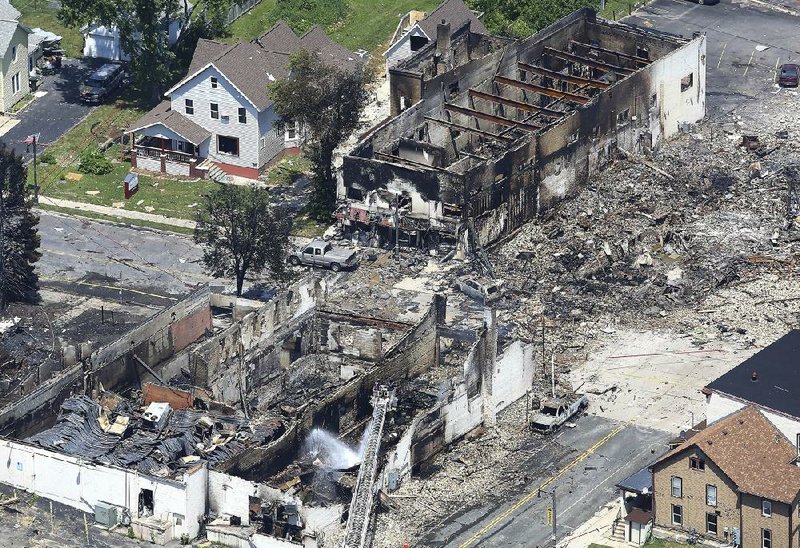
364, 490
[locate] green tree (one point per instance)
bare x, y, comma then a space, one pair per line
522, 18
242, 233
327, 102
19, 239
143, 29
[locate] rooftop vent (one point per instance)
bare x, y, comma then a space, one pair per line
754, 376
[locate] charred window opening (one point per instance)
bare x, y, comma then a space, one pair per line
405, 102
452, 89
523, 76
451, 210
418, 42
687, 82
623, 117
653, 101
145, 503
354, 194
403, 200
421, 134
642, 52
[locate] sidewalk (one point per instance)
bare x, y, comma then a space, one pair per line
117, 212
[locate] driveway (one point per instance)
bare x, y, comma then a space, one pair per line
54, 113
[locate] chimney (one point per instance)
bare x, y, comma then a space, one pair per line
443, 39
754, 376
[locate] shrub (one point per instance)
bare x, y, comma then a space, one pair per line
46, 158
94, 162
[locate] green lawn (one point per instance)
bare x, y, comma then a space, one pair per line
40, 13
368, 25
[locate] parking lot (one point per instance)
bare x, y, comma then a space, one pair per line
57, 110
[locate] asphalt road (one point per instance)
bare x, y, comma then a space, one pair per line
114, 261
55, 113
745, 43
583, 464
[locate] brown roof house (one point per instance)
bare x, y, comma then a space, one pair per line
218, 120
736, 481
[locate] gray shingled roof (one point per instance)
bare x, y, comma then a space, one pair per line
175, 121
454, 12
7, 30
8, 12
252, 66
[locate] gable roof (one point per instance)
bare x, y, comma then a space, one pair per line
751, 452
8, 12
7, 30
777, 370
454, 12
251, 66
174, 121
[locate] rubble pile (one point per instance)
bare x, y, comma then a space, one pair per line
653, 235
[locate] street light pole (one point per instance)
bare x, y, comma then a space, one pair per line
552, 493
35, 178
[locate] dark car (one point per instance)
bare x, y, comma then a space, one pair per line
102, 83
788, 75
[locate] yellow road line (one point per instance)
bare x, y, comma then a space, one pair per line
496, 521
114, 288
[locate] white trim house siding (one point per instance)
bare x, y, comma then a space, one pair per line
15, 66
401, 50
271, 142
229, 100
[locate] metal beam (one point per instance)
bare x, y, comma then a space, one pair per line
574, 97
642, 61
608, 67
493, 118
565, 77
477, 131
516, 104
395, 159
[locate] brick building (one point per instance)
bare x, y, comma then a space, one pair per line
737, 481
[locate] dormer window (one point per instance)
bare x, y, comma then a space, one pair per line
213, 82
697, 463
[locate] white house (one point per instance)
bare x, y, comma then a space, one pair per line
414, 33
103, 42
14, 83
219, 117
770, 380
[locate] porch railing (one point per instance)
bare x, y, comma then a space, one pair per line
172, 155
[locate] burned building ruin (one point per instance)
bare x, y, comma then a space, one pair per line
487, 134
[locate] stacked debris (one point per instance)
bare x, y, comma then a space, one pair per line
123, 436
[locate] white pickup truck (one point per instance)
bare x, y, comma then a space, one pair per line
322, 254
556, 411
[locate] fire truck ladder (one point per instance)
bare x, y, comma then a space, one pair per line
364, 491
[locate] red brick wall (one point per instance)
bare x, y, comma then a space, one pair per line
186, 331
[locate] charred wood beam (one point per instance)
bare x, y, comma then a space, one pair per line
574, 97
516, 104
493, 118
391, 158
608, 67
482, 133
564, 77
640, 60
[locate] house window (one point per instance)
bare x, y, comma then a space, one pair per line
215, 111
797, 444
15, 83
766, 538
766, 508
677, 487
213, 82
523, 76
14, 53
687, 82
711, 495
291, 131
189, 106
453, 89
242, 115
227, 145
677, 514
642, 53
711, 523
697, 464
418, 42
263, 142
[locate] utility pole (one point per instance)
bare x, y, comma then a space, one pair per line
551, 513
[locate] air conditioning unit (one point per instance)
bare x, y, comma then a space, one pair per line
106, 514
225, 117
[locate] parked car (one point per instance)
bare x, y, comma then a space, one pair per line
480, 289
322, 254
102, 83
556, 411
788, 75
